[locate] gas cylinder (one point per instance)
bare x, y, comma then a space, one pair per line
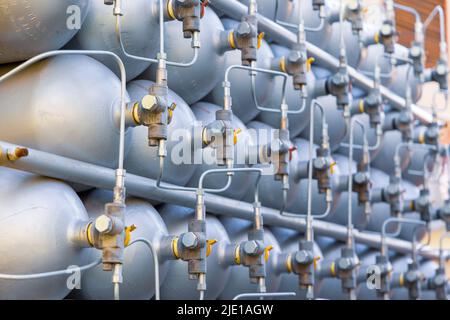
35, 235
33, 27
140, 34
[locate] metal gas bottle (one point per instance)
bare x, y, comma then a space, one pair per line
38, 215
32, 27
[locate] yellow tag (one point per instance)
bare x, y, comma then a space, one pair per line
128, 231
209, 244
332, 167
260, 39
377, 37
315, 262
266, 252
235, 136
333, 269
309, 62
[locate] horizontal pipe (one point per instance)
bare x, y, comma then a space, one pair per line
283, 36
50, 165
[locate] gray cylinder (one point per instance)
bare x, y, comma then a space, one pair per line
143, 160
297, 122
138, 267
195, 82
352, 46
384, 159
205, 114
243, 104
375, 53
422, 159
399, 81
48, 98
177, 285
32, 27
239, 281
35, 234
140, 34
289, 242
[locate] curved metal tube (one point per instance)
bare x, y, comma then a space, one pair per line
384, 245
155, 263
309, 216
302, 20
268, 109
371, 148
190, 189
408, 9
162, 51
437, 10
254, 69
49, 274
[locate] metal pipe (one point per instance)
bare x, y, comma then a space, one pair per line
49, 274
236, 10
123, 87
131, 56
436, 10
350, 181
75, 171
155, 263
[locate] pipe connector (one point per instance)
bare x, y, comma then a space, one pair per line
245, 37
338, 85
346, 269
189, 12
372, 105
422, 205
354, 15
404, 122
220, 135
387, 36
439, 284
417, 56
393, 195
412, 280
155, 112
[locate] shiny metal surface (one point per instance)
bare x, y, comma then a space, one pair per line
32, 27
